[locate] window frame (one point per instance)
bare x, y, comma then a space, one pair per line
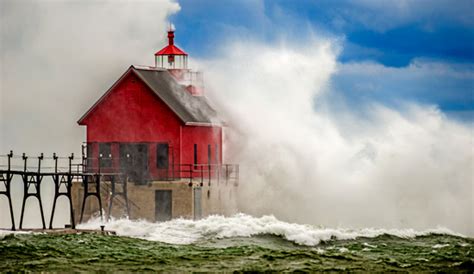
158, 166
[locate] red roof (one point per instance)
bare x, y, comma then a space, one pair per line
171, 50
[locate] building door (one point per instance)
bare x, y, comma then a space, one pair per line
134, 161
163, 200
197, 203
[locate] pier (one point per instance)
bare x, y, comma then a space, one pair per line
64, 171
33, 176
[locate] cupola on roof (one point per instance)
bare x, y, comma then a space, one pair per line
171, 57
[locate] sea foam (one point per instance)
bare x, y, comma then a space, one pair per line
4, 233
184, 231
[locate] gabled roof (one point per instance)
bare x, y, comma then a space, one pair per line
192, 110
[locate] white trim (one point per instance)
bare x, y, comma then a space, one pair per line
148, 68
201, 124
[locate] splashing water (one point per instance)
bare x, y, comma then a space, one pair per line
308, 159
183, 231
237, 243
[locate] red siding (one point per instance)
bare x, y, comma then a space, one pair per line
132, 113
202, 136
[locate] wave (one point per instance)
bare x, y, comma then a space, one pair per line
185, 231
4, 232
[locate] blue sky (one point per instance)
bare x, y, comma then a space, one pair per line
421, 51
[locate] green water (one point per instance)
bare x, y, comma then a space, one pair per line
88, 252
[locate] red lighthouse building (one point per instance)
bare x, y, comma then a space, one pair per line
155, 125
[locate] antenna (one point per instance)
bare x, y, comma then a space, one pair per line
171, 27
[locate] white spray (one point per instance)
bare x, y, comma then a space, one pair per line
390, 168
182, 231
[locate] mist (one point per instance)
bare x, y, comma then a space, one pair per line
308, 159
57, 58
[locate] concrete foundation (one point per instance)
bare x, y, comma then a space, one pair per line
190, 202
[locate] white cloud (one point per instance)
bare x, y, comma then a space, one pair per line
423, 80
385, 15
417, 66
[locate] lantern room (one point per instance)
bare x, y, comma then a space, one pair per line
171, 57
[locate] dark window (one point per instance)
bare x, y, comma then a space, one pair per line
134, 161
162, 156
208, 154
216, 152
195, 154
105, 152
89, 150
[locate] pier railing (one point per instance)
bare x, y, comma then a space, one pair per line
92, 174
141, 173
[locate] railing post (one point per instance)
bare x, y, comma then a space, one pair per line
84, 149
128, 163
191, 174
173, 168
10, 155
39, 162
202, 178
84, 163
8, 189
55, 157
99, 160
209, 175
25, 158
70, 162
226, 173
111, 162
